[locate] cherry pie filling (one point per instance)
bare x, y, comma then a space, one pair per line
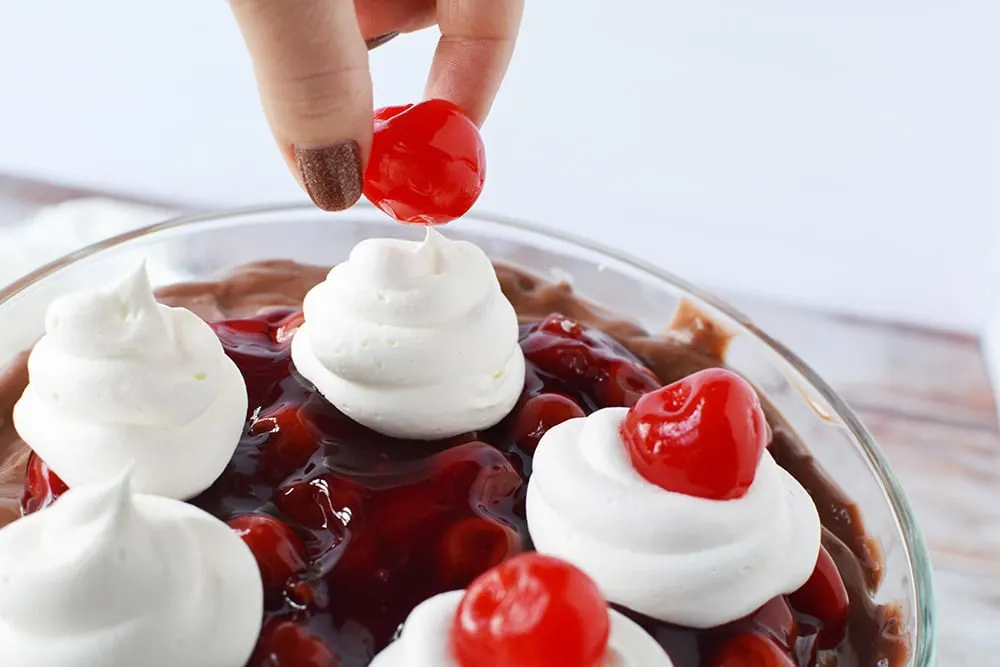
353, 529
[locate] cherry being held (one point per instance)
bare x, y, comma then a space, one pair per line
703, 435
427, 164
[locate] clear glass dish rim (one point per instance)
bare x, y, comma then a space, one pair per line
917, 554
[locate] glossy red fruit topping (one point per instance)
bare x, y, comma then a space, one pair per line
749, 650
251, 343
472, 545
540, 413
278, 550
561, 326
249, 332
289, 441
531, 611
328, 501
429, 527
624, 383
42, 487
308, 593
428, 163
589, 359
288, 326
824, 597
284, 643
702, 436
774, 620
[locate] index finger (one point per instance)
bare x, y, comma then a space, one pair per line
311, 64
477, 42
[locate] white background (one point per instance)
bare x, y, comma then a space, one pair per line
838, 155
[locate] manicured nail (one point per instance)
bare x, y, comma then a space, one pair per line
376, 42
331, 174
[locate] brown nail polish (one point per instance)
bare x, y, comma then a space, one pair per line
376, 42
331, 174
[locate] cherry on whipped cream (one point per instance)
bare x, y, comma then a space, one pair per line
539, 414
701, 436
531, 611
824, 597
750, 650
427, 164
276, 547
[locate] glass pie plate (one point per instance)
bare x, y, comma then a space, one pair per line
201, 247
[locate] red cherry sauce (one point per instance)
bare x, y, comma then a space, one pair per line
383, 524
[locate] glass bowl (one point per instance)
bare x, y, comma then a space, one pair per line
200, 247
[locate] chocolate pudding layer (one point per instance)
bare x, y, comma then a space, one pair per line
876, 636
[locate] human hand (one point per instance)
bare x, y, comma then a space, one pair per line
311, 62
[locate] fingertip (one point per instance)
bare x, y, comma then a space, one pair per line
469, 74
332, 175
477, 42
311, 64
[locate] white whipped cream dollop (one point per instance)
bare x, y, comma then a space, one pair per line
681, 559
424, 641
119, 380
105, 577
413, 339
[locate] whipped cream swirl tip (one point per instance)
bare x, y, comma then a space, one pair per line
681, 559
120, 380
413, 339
105, 577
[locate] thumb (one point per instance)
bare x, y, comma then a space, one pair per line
311, 65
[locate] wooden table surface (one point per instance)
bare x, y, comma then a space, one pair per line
925, 395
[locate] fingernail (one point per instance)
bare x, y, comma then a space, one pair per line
331, 174
376, 42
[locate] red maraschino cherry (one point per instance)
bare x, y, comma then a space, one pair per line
531, 611
428, 163
702, 436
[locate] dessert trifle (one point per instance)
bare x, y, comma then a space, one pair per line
417, 457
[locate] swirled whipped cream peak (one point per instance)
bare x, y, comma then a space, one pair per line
120, 380
413, 339
531, 610
105, 577
675, 507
